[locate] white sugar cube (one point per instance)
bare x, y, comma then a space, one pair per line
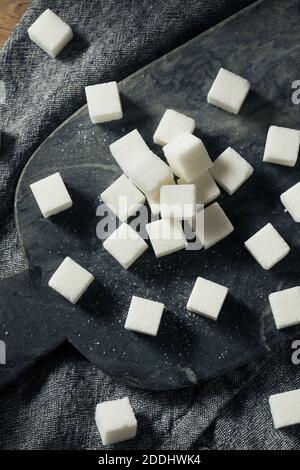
230, 170
125, 245
178, 201
145, 169
217, 226
144, 316
187, 157
115, 421
166, 236
285, 305
228, 91
207, 298
150, 174
50, 33
103, 102
129, 151
171, 126
267, 246
282, 146
123, 198
51, 195
285, 408
207, 190
291, 201
71, 280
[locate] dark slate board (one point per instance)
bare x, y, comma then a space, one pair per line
262, 44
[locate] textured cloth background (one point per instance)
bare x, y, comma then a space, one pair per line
52, 405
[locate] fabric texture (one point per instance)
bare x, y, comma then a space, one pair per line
52, 406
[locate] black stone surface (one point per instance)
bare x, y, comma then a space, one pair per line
261, 44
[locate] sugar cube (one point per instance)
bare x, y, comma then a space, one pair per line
103, 102
285, 408
50, 33
282, 146
217, 226
285, 305
125, 245
171, 126
207, 298
291, 201
51, 195
187, 157
150, 174
166, 236
267, 246
144, 316
178, 201
230, 170
228, 91
123, 198
70, 280
129, 151
145, 169
206, 188
115, 421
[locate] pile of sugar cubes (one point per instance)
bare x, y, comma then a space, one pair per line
172, 188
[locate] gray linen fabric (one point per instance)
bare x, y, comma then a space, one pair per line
52, 405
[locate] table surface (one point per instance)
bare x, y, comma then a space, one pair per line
10, 13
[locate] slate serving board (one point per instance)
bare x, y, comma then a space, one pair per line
189, 349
